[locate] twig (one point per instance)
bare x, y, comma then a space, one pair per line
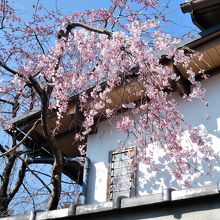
36, 171
42, 182
32, 172
29, 195
21, 142
38, 41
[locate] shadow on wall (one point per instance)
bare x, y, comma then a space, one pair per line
158, 175
152, 181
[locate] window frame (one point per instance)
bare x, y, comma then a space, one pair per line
132, 190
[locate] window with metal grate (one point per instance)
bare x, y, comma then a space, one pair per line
121, 180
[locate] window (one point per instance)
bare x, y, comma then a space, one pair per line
122, 173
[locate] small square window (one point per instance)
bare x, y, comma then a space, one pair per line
122, 173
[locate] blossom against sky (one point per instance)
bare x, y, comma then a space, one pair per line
177, 24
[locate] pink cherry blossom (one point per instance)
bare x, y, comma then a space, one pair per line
93, 54
125, 124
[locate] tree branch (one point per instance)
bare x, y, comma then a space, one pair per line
32, 82
9, 69
3, 15
6, 175
73, 25
42, 182
34, 206
33, 173
21, 176
22, 141
2, 149
36, 86
38, 41
6, 101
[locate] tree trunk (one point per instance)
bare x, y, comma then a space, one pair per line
4, 202
58, 160
5, 196
56, 182
58, 157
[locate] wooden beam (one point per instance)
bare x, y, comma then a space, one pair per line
182, 86
208, 73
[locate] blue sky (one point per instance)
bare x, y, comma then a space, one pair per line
178, 24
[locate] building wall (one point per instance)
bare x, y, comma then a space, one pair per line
106, 139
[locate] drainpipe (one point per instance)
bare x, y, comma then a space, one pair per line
85, 180
81, 160
86, 164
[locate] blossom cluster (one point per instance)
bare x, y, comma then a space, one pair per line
93, 63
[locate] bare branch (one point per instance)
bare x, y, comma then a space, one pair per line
22, 141
35, 13
44, 174
6, 175
42, 182
6, 101
34, 174
3, 15
29, 195
38, 41
20, 179
9, 69
2, 149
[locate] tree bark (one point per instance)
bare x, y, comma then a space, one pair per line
58, 157
4, 202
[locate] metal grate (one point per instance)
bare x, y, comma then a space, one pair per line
122, 176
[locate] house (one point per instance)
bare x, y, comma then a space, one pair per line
137, 197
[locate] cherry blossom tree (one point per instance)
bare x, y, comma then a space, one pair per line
47, 58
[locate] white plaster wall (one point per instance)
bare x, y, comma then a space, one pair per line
107, 136
98, 148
